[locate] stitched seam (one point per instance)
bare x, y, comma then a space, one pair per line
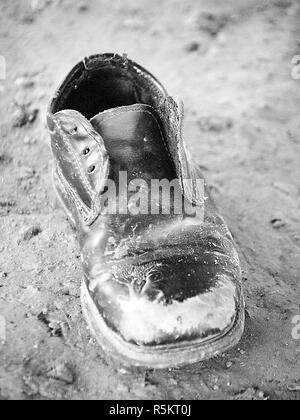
79, 205
88, 216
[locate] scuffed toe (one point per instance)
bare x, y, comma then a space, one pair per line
202, 317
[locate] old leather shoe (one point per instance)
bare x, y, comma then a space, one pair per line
162, 278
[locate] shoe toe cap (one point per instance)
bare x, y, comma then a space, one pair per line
172, 308
201, 317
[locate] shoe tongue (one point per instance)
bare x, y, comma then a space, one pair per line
134, 141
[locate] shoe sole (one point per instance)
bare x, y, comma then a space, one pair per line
159, 357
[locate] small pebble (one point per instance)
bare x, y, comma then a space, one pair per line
62, 373
23, 82
277, 223
27, 233
192, 47
22, 116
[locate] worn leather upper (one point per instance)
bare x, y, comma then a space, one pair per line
157, 279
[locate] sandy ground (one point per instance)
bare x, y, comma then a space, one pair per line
230, 62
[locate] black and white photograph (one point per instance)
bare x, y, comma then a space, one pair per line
149, 203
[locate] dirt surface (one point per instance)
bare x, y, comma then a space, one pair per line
230, 62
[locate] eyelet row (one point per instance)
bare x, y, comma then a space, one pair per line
92, 168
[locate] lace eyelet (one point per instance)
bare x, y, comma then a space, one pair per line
91, 169
86, 151
74, 130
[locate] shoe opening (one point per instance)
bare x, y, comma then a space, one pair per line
107, 81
